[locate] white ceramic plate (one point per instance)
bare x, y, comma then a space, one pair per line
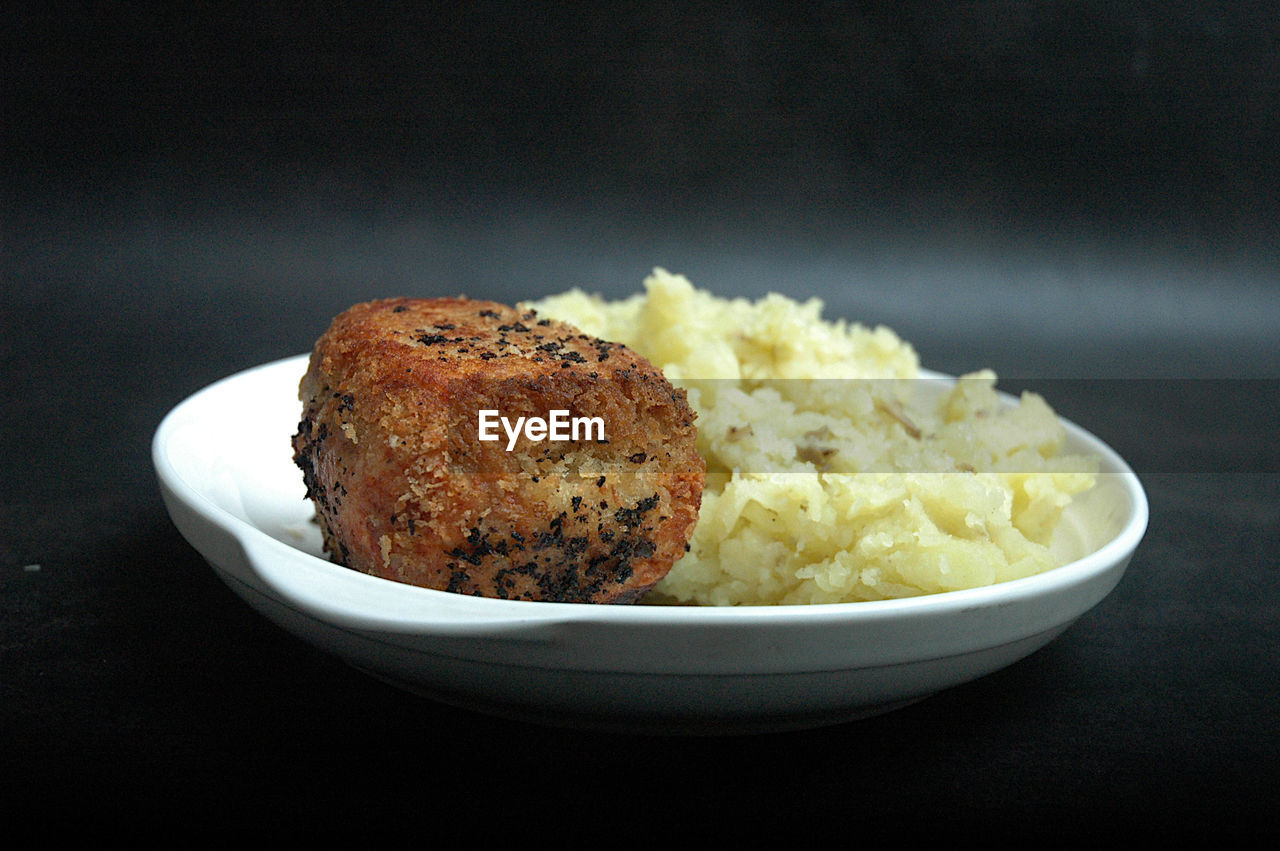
226, 474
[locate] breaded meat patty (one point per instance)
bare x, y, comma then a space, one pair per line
467, 446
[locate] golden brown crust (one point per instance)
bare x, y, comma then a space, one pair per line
405, 489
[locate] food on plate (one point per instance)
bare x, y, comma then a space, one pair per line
834, 472
467, 446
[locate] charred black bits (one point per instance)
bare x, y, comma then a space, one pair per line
632, 516
470, 558
458, 578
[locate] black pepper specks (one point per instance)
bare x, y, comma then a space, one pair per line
632, 516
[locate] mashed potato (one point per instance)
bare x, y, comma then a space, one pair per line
835, 473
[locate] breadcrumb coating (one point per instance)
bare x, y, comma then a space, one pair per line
404, 488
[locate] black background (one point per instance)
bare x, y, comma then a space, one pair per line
1079, 190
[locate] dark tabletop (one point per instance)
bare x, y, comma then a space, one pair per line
1081, 196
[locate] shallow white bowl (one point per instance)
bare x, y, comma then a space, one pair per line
226, 474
